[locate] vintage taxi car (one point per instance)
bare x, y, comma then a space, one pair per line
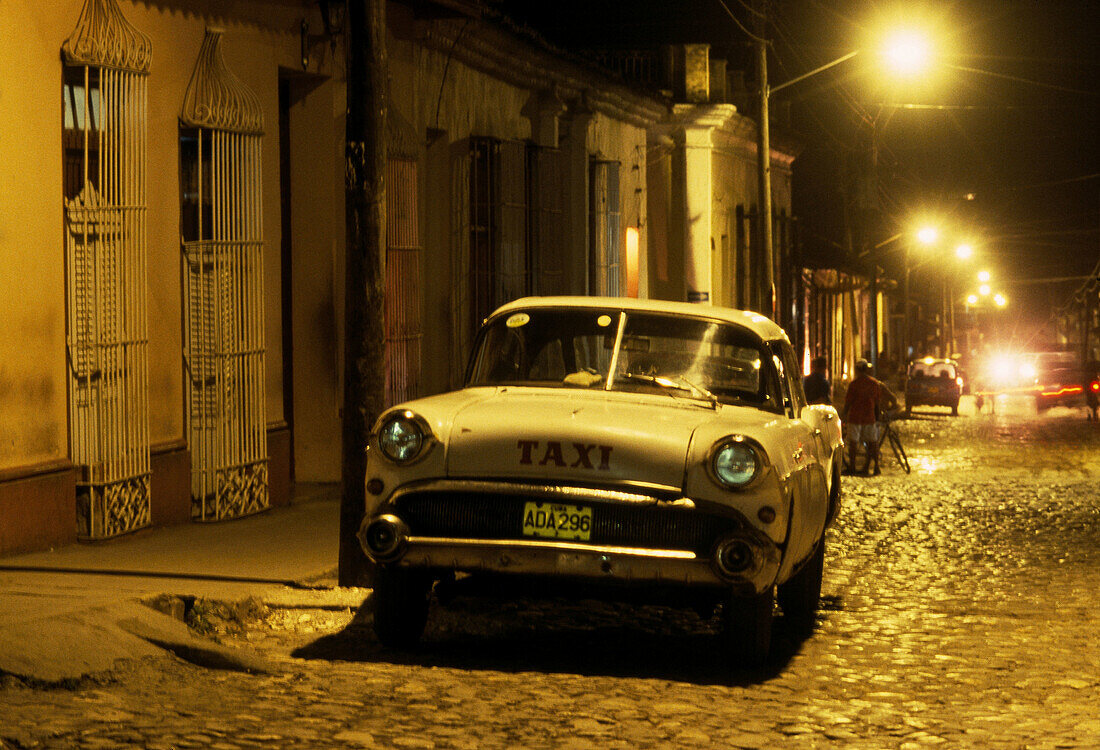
611, 447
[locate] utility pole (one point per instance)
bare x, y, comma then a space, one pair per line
873, 192
365, 258
764, 159
905, 310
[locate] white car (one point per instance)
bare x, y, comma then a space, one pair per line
611, 447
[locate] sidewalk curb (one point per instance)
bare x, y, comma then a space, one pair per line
65, 650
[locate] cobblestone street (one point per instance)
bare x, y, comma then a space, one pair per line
960, 610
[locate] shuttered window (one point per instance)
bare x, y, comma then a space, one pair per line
492, 262
546, 198
403, 327
605, 241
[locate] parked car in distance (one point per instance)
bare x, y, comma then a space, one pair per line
610, 448
933, 382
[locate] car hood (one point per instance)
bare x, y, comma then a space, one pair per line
580, 437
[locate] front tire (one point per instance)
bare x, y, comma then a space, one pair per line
800, 596
747, 628
400, 600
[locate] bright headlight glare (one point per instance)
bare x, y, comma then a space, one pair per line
401, 438
735, 464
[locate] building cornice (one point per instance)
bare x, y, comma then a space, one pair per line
495, 52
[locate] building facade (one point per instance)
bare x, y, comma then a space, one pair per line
172, 235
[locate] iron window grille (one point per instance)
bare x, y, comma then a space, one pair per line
221, 129
105, 115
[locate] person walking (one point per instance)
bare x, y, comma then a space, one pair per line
865, 400
816, 385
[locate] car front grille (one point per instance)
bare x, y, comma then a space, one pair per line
476, 515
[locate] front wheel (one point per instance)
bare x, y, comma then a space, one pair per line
400, 600
800, 596
747, 628
899, 451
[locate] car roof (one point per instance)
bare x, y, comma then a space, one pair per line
932, 361
762, 326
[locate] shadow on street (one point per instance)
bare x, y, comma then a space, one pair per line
562, 643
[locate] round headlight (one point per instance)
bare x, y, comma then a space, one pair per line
735, 464
401, 438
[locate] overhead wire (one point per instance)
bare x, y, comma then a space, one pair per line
740, 25
750, 9
782, 34
1020, 79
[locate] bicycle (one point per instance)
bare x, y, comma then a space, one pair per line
887, 434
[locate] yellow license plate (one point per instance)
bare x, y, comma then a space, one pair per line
557, 521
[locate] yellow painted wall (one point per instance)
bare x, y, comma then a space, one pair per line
33, 391
259, 38
317, 227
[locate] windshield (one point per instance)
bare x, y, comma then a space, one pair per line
932, 370
635, 352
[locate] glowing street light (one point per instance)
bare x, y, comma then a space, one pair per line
907, 52
972, 299
1000, 300
983, 276
984, 290
928, 235
964, 251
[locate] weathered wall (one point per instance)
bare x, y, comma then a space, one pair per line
260, 39
317, 274
735, 181
33, 395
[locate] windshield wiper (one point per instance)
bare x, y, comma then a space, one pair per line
671, 386
701, 391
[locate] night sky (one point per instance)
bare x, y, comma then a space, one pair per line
1009, 117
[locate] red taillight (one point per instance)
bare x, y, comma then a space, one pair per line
1063, 391
1094, 386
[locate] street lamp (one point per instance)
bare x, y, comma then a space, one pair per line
928, 235
904, 51
907, 52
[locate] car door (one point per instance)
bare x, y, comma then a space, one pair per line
809, 505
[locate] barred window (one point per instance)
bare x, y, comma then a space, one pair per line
221, 227
104, 124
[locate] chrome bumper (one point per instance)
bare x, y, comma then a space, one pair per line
570, 559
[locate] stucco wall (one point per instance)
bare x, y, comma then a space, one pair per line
735, 181
317, 274
33, 396
444, 101
258, 39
